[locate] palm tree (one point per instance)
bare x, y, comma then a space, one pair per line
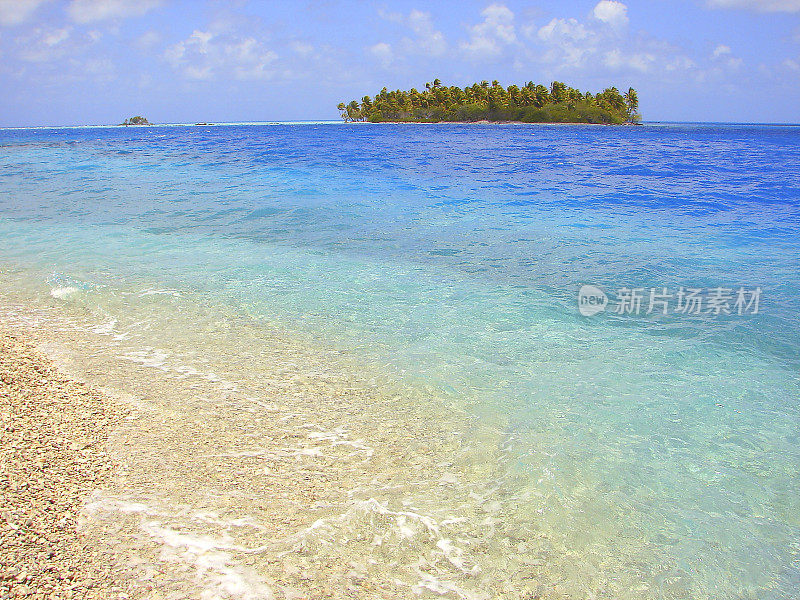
353, 112
541, 95
558, 91
631, 104
480, 100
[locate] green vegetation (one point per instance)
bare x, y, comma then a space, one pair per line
484, 102
138, 120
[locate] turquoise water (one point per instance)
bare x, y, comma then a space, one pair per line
635, 456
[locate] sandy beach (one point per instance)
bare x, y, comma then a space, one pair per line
53, 454
200, 486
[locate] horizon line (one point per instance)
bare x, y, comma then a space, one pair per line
341, 122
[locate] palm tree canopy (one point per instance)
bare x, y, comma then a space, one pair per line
531, 103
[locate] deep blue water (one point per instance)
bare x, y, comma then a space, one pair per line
453, 255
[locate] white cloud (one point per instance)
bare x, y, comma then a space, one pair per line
723, 54
207, 55
428, 40
56, 37
561, 30
148, 40
63, 55
487, 39
301, 48
87, 11
14, 12
100, 69
791, 64
637, 61
383, 53
721, 50
679, 63
758, 5
568, 42
44, 45
611, 12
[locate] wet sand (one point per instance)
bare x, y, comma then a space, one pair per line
276, 471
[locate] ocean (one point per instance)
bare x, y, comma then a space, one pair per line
359, 367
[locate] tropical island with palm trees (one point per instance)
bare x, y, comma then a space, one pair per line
137, 120
482, 101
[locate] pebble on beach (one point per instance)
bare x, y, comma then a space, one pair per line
53, 454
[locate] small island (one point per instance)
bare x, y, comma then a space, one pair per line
530, 103
138, 120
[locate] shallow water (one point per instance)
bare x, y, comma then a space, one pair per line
358, 365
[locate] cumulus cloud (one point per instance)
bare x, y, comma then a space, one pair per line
758, 5
383, 53
559, 30
488, 38
724, 55
637, 61
148, 40
679, 63
99, 69
568, 42
600, 44
14, 12
425, 38
301, 48
721, 50
63, 55
428, 39
611, 12
88, 11
207, 55
45, 44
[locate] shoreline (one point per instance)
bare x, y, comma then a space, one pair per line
486, 122
53, 456
230, 482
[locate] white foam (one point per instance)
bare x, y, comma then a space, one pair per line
356, 511
63, 292
99, 501
215, 570
156, 292
455, 556
218, 577
106, 328
443, 588
148, 358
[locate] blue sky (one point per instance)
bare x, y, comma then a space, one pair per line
99, 61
